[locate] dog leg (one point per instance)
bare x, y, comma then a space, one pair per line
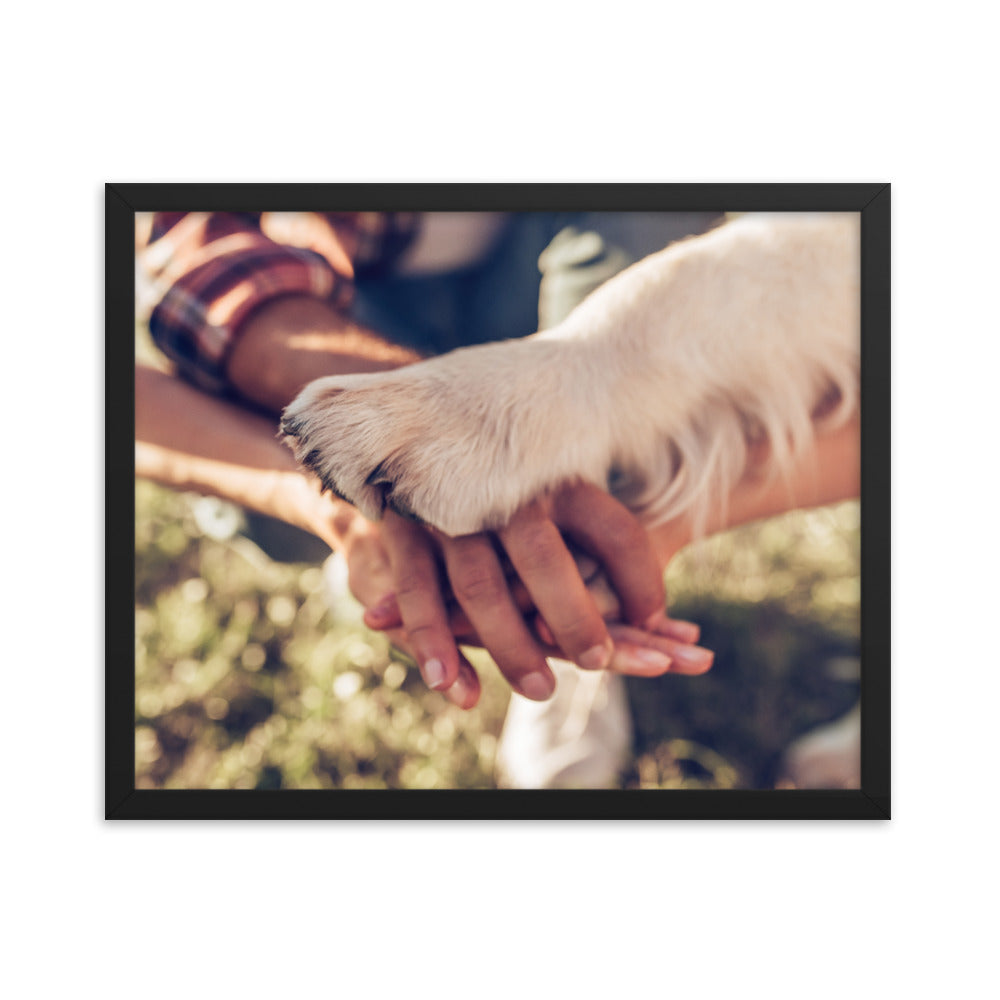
655, 387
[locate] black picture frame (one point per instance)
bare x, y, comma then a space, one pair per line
124, 801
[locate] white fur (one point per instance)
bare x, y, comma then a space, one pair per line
654, 387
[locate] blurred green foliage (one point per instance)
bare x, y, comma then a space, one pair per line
245, 678
249, 676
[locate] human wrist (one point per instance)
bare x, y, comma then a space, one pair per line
297, 499
828, 472
669, 538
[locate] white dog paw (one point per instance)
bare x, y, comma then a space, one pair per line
459, 442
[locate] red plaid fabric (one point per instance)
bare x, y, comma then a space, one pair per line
213, 270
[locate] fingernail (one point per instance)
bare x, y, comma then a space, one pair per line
383, 607
434, 674
646, 658
597, 657
536, 686
459, 692
694, 657
686, 632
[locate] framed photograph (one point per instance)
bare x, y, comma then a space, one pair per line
380, 458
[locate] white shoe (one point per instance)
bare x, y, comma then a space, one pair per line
580, 738
828, 757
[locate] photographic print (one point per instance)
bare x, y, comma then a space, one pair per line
498, 501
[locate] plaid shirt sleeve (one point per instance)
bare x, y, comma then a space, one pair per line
212, 270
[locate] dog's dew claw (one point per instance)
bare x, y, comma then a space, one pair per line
379, 477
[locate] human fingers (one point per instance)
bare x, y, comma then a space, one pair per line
466, 689
464, 692
611, 609
645, 650
370, 573
421, 607
385, 613
615, 537
385, 616
539, 555
640, 653
674, 628
480, 588
627, 657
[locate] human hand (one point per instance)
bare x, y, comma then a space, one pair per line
490, 610
372, 555
297, 499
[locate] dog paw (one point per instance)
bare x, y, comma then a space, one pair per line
459, 442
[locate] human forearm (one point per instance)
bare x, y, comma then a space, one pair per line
174, 415
189, 440
830, 472
291, 341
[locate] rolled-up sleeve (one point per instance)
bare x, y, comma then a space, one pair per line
211, 271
